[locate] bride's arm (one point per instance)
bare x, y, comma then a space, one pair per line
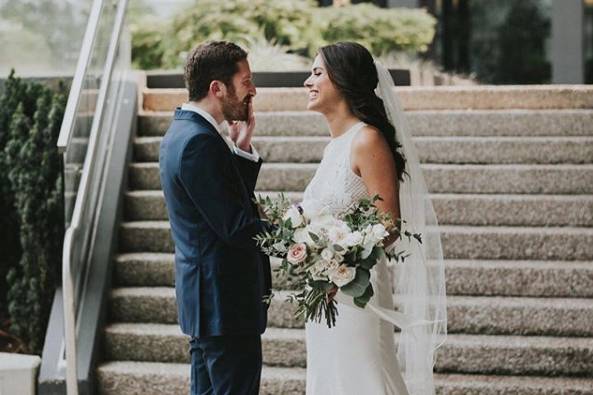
372, 160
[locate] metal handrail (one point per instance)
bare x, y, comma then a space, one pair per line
93, 158
67, 128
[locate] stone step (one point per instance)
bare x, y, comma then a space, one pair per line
459, 242
514, 123
166, 343
528, 179
144, 269
485, 315
463, 277
471, 315
155, 378
517, 243
455, 150
483, 179
414, 98
519, 278
482, 354
452, 209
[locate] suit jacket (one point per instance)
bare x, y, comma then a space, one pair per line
221, 276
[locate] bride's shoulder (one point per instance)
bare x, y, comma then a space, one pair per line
368, 139
369, 150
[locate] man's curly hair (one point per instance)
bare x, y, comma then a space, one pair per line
212, 60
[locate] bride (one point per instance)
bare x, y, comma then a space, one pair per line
370, 153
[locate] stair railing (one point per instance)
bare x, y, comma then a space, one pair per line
85, 140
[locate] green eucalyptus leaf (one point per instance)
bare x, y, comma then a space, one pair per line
288, 223
369, 262
361, 301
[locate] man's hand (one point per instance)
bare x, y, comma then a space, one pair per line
242, 132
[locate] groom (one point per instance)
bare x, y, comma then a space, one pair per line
208, 180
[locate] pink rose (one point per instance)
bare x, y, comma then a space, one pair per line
297, 253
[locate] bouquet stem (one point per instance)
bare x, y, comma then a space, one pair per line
316, 305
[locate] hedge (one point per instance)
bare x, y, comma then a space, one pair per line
32, 207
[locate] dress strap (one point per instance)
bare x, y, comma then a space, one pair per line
354, 129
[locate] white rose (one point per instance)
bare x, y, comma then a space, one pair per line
379, 232
338, 233
342, 275
295, 217
353, 239
327, 254
302, 235
370, 237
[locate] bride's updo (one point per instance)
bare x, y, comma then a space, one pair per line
351, 68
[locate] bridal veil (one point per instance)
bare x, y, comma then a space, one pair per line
419, 282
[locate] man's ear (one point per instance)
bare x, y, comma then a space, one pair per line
218, 89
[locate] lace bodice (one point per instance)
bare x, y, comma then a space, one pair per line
335, 185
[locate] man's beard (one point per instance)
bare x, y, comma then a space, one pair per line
234, 109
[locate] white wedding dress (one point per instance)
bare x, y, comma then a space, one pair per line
358, 355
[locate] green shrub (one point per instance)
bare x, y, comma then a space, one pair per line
283, 22
148, 49
14, 92
380, 30
300, 27
265, 56
33, 166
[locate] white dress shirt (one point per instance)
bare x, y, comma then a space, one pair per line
252, 156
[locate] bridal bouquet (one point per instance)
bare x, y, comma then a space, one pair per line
322, 253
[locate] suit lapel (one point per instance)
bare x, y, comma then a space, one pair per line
194, 116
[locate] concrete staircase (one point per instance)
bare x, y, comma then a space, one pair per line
511, 173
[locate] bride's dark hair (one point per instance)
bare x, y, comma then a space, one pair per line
351, 68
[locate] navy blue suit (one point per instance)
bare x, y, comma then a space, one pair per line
221, 277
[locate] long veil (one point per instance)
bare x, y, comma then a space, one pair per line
419, 282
